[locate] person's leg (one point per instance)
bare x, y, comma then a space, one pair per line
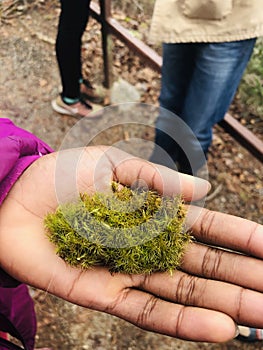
72, 23
177, 70
218, 70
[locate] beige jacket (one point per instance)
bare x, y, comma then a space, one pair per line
182, 21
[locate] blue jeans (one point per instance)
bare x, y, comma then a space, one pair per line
199, 81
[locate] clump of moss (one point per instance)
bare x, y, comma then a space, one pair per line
130, 231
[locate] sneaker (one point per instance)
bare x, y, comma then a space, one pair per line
247, 334
89, 92
80, 109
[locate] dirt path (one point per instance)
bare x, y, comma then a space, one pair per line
28, 81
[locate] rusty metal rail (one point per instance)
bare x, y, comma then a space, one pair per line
109, 26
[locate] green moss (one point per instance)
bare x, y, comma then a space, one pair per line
129, 231
250, 91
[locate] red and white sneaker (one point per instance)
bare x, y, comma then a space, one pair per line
80, 109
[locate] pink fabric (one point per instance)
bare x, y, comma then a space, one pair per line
18, 307
18, 149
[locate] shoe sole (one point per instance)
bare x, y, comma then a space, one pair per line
65, 111
62, 110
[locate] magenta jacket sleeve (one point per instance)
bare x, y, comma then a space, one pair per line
18, 149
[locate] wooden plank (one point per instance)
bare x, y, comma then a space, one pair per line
244, 136
141, 49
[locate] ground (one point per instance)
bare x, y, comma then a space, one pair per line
29, 80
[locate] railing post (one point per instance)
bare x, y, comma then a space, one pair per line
105, 11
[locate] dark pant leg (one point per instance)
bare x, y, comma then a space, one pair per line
215, 75
72, 23
218, 70
177, 70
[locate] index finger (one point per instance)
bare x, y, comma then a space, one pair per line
129, 170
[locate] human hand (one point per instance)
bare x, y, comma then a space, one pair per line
214, 290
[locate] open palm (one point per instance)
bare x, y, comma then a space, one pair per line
215, 288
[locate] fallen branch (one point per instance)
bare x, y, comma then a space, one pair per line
38, 35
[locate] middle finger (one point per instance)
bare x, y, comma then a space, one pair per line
239, 303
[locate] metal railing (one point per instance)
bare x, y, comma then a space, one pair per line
109, 26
